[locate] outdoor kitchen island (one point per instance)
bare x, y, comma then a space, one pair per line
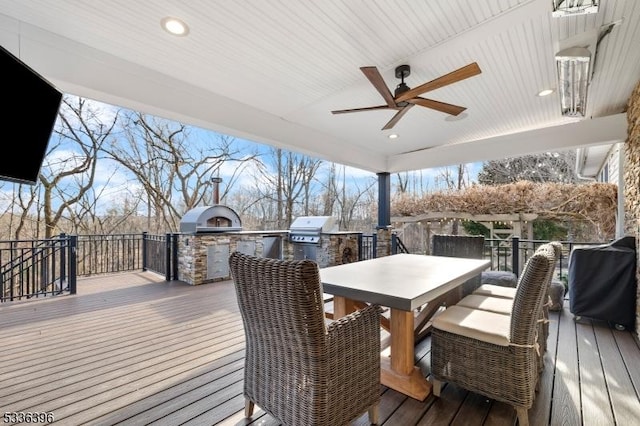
203, 256
203, 251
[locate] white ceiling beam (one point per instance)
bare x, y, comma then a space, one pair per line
596, 131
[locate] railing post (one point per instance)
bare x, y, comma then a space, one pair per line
63, 257
560, 261
144, 250
515, 255
174, 256
73, 245
360, 247
394, 243
374, 250
167, 257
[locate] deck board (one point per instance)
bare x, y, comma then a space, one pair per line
631, 355
134, 349
594, 398
621, 392
565, 408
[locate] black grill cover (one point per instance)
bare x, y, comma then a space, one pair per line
602, 282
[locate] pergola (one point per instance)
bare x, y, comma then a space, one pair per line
516, 224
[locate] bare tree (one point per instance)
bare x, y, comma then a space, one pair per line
286, 179
20, 215
173, 167
330, 191
69, 168
91, 217
453, 178
547, 167
403, 182
350, 198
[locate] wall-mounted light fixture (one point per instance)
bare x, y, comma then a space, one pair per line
562, 8
573, 80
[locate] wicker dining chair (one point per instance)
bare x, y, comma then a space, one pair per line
502, 297
468, 246
297, 368
492, 354
556, 246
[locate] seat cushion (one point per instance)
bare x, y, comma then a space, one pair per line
496, 291
499, 305
477, 324
502, 278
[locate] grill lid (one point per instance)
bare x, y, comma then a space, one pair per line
307, 229
217, 218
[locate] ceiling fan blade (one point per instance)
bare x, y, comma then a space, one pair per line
454, 76
344, 111
376, 79
438, 106
397, 117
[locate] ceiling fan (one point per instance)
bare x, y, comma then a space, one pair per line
404, 97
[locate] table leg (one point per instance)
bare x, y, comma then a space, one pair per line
400, 372
422, 322
343, 306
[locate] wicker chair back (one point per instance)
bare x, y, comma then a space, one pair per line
296, 368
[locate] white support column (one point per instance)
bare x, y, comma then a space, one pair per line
620, 213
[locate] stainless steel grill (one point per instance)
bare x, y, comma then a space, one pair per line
305, 232
307, 229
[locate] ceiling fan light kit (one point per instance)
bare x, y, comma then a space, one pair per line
404, 98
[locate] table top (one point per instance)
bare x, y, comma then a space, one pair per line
401, 281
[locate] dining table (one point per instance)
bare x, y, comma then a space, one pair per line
402, 283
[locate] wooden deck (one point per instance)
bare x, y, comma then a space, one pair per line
134, 349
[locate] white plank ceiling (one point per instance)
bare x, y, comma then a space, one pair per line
271, 71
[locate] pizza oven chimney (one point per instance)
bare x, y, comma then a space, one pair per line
216, 189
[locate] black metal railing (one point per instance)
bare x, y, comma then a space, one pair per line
511, 254
39, 268
368, 244
397, 246
36, 268
103, 254
160, 254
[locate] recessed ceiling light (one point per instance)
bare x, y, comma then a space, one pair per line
545, 92
174, 26
393, 136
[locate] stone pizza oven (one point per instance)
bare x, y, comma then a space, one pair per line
215, 218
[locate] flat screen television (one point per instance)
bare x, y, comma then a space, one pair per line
27, 121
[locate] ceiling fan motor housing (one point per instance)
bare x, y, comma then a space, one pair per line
400, 89
403, 71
